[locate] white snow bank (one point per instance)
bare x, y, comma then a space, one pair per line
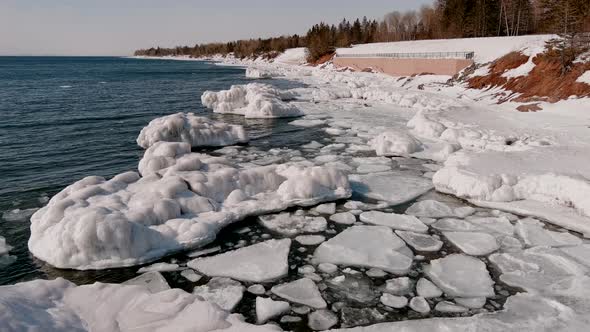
486, 49
293, 56
192, 129
181, 202
584, 78
522, 70
59, 305
395, 143
252, 100
557, 176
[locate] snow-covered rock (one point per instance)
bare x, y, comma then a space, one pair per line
267, 309
290, 224
302, 291
395, 143
473, 243
396, 187
252, 100
395, 221
264, 261
224, 292
191, 129
459, 275
379, 248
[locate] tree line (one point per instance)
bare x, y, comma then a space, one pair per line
442, 19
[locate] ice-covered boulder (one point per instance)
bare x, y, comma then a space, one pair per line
191, 129
252, 100
181, 202
395, 143
379, 248
260, 262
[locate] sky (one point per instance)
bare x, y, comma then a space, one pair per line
117, 27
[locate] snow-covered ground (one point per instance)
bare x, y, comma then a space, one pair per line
487, 262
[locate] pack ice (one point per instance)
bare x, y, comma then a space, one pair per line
180, 201
252, 100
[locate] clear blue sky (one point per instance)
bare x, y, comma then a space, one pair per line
117, 27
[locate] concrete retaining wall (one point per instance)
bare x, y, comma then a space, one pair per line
405, 67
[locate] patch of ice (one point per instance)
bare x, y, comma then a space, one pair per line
584, 78
310, 240
430, 209
380, 248
190, 275
224, 292
160, 267
344, 218
395, 143
533, 234
302, 291
327, 208
426, 289
289, 224
396, 187
473, 243
393, 301
471, 302
459, 275
395, 221
154, 282
420, 242
419, 304
398, 286
260, 262
321, 320
446, 306
267, 309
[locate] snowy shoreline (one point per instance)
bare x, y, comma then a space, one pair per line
530, 164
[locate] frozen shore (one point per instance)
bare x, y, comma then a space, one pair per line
495, 266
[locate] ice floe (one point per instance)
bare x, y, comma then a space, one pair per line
420, 242
380, 248
473, 243
430, 209
291, 224
395, 221
252, 100
396, 187
224, 292
394, 301
160, 267
395, 143
265, 261
321, 320
344, 218
154, 282
191, 129
267, 309
426, 289
302, 291
459, 275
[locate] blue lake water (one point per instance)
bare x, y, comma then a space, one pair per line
64, 118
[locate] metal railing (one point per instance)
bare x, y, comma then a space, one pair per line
424, 55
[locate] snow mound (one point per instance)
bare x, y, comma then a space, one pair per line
191, 129
293, 56
380, 248
584, 78
395, 143
252, 100
181, 202
260, 262
59, 305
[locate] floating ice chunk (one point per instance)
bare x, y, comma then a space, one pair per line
420, 242
395, 187
191, 129
426, 289
446, 306
375, 273
372, 168
500, 225
327, 268
395, 143
290, 224
358, 317
256, 289
344, 218
379, 248
310, 240
302, 291
581, 253
430, 209
267, 309
160, 267
533, 234
327, 208
312, 145
471, 302
420, 305
253, 72
352, 287
396, 221
153, 281
308, 122
398, 286
473, 243
191, 275
290, 319
4, 247
459, 275
260, 262
393, 301
321, 320
252, 100
464, 211
224, 292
